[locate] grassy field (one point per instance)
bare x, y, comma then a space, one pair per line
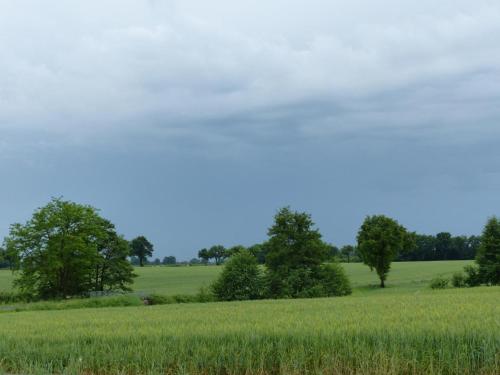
406, 328
455, 331
188, 280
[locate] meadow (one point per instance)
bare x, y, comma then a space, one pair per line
406, 328
404, 276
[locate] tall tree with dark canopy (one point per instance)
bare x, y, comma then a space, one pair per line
295, 257
488, 255
68, 249
141, 248
204, 255
218, 253
293, 242
380, 239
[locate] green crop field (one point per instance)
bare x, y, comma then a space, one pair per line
187, 280
455, 331
406, 328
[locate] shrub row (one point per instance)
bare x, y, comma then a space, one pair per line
469, 278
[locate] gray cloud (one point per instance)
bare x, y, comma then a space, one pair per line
99, 67
226, 110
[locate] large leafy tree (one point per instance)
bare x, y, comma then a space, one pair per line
488, 255
380, 239
294, 242
218, 253
294, 255
141, 248
68, 249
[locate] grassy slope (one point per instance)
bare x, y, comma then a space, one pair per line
187, 280
443, 332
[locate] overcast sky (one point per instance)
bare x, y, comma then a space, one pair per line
192, 122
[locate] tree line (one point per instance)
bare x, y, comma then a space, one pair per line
68, 249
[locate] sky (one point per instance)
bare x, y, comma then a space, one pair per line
193, 122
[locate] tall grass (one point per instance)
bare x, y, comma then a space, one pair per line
453, 331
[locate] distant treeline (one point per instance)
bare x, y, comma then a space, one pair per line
442, 246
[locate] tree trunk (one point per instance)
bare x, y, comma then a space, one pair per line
382, 285
141, 262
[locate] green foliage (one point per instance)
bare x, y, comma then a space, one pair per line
334, 280
293, 243
458, 280
380, 239
295, 253
142, 249
218, 253
67, 249
488, 255
327, 280
472, 276
439, 283
240, 279
170, 260
259, 252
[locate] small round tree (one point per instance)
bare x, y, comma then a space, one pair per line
240, 279
380, 239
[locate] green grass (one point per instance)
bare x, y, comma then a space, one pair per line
188, 280
454, 331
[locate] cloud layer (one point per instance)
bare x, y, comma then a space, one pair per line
192, 69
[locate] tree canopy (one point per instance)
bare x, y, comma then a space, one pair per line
141, 248
67, 249
240, 279
295, 254
380, 239
294, 242
488, 256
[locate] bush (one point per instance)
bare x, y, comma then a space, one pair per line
324, 281
334, 280
439, 283
458, 280
205, 295
240, 279
472, 276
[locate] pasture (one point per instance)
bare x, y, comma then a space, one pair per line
187, 280
406, 328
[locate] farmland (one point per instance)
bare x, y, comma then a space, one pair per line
404, 276
405, 328
449, 331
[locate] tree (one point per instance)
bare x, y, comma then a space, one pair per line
194, 261
240, 279
218, 253
293, 243
443, 246
67, 249
204, 255
295, 253
234, 250
347, 252
141, 248
259, 251
488, 255
169, 260
333, 251
380, 239
156, 262
4, 262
